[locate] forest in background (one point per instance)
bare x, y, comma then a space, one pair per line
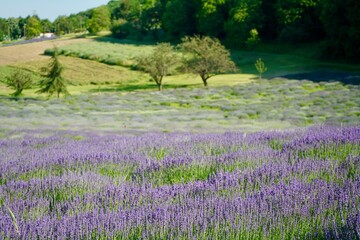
243, 24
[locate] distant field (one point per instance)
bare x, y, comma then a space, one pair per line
86, 72
32, 51
279, 63
250, 106
107, 50
117, 98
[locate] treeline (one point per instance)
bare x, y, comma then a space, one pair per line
93, 20
242, 23
238, 23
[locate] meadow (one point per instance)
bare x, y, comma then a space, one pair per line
245, 158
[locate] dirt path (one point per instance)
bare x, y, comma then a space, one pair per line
32, 51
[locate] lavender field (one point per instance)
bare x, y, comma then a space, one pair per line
299, 184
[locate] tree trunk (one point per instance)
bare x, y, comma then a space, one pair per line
204, 81
58, 95
159, 83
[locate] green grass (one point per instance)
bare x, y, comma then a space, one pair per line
280, 59
106, 50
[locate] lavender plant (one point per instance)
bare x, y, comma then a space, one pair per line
300, 184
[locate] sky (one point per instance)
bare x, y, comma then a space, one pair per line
50, 9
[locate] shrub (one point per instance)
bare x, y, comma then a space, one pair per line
19, 81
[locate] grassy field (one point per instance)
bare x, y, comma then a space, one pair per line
282, 62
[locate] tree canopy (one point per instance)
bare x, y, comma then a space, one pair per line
159, 63
206, 57
333, 23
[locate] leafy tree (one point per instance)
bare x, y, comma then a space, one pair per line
244, 15
47, 26
206, 56
19, 81
159, 63
179, 18
210, 17
33, 27
14, 31
63, 25
298, 20
260, 67
53, 81
341, 23
79, 22
3, 28
100, 20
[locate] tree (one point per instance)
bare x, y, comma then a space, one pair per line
206, 56
14, 30
53, 81
341, 23
100, 20
179, 18
63, 25
260, 67
47, 26
19, 81
159, 63
3, 29
33, 27
244, 15
210, 17
298, 20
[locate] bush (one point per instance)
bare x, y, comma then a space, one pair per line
124, 29
19, 81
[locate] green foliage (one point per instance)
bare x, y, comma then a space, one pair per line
206, 57
13, 31
341, 22
63, 25
298, 21
124, 29
245, 15
100, 20
253, 39
159, 63
19, 81
47, 26
210, 17
179, 18
33, 27
260, 67
53, 81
